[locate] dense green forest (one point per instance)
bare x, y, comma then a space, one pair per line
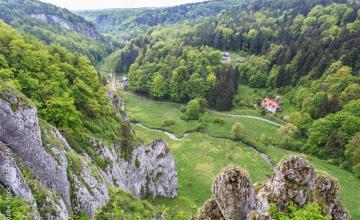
64, 86
54, 25
126, 24
201, 72
309, 55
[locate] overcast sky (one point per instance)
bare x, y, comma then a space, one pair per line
102, 4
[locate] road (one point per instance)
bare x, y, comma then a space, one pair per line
113, 81
246, 116
217, 112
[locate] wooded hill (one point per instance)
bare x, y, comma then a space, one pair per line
310, 55
127, 24
54, 25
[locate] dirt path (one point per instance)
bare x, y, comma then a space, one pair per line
113, 81
246, 116
215, 112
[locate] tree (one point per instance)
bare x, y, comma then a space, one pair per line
353, 107
302, 121
61, 111
351, 92
352, 153
237, 131
288, 130
192, 110
197, 87
158, 86
335, 145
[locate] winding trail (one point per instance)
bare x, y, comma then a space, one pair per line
186, 134
246, 116
113, 81
213, 111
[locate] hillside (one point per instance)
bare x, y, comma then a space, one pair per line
126, 24
65, 148
309, 56
54, 25
189, 108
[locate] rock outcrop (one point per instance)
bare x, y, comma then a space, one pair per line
73, 182
19, 129
327, 192
293, 181
11, 174
234, 193
149, 171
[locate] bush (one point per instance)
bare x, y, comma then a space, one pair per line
183, 109
356, 170
219, 121
137, 163
237, 130
201, 126
205, 118
167, 123
192, 110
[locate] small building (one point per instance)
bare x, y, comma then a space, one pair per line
271, 105
225, 57
124, 82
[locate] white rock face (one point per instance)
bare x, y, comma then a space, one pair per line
20, 131
12, 176
151, 170
82, 27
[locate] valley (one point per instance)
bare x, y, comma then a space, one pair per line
212, 110
201, 155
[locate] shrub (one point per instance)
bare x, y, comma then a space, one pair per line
167, 123
192, 110
237, 130
183, 109
356, 170
201, 126
219, 121
137, 163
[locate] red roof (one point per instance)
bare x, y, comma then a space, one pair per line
269, 102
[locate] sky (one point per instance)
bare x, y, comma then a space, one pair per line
103, 4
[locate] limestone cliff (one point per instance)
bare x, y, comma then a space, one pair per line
294, 181
71, 182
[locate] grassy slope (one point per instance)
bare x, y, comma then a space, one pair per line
199, 157
152, 113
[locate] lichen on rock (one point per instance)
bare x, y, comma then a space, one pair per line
209, 211
293, 182
234, 193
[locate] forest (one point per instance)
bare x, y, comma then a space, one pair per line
149, 100
310, 55
54, 25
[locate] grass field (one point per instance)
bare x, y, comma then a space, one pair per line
152, 113
199, 157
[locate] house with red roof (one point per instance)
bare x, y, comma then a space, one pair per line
271, 105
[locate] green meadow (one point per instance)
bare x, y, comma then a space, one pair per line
200, 156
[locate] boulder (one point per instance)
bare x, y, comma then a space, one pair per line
327, 192
209, 211
234, 193
292, 181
